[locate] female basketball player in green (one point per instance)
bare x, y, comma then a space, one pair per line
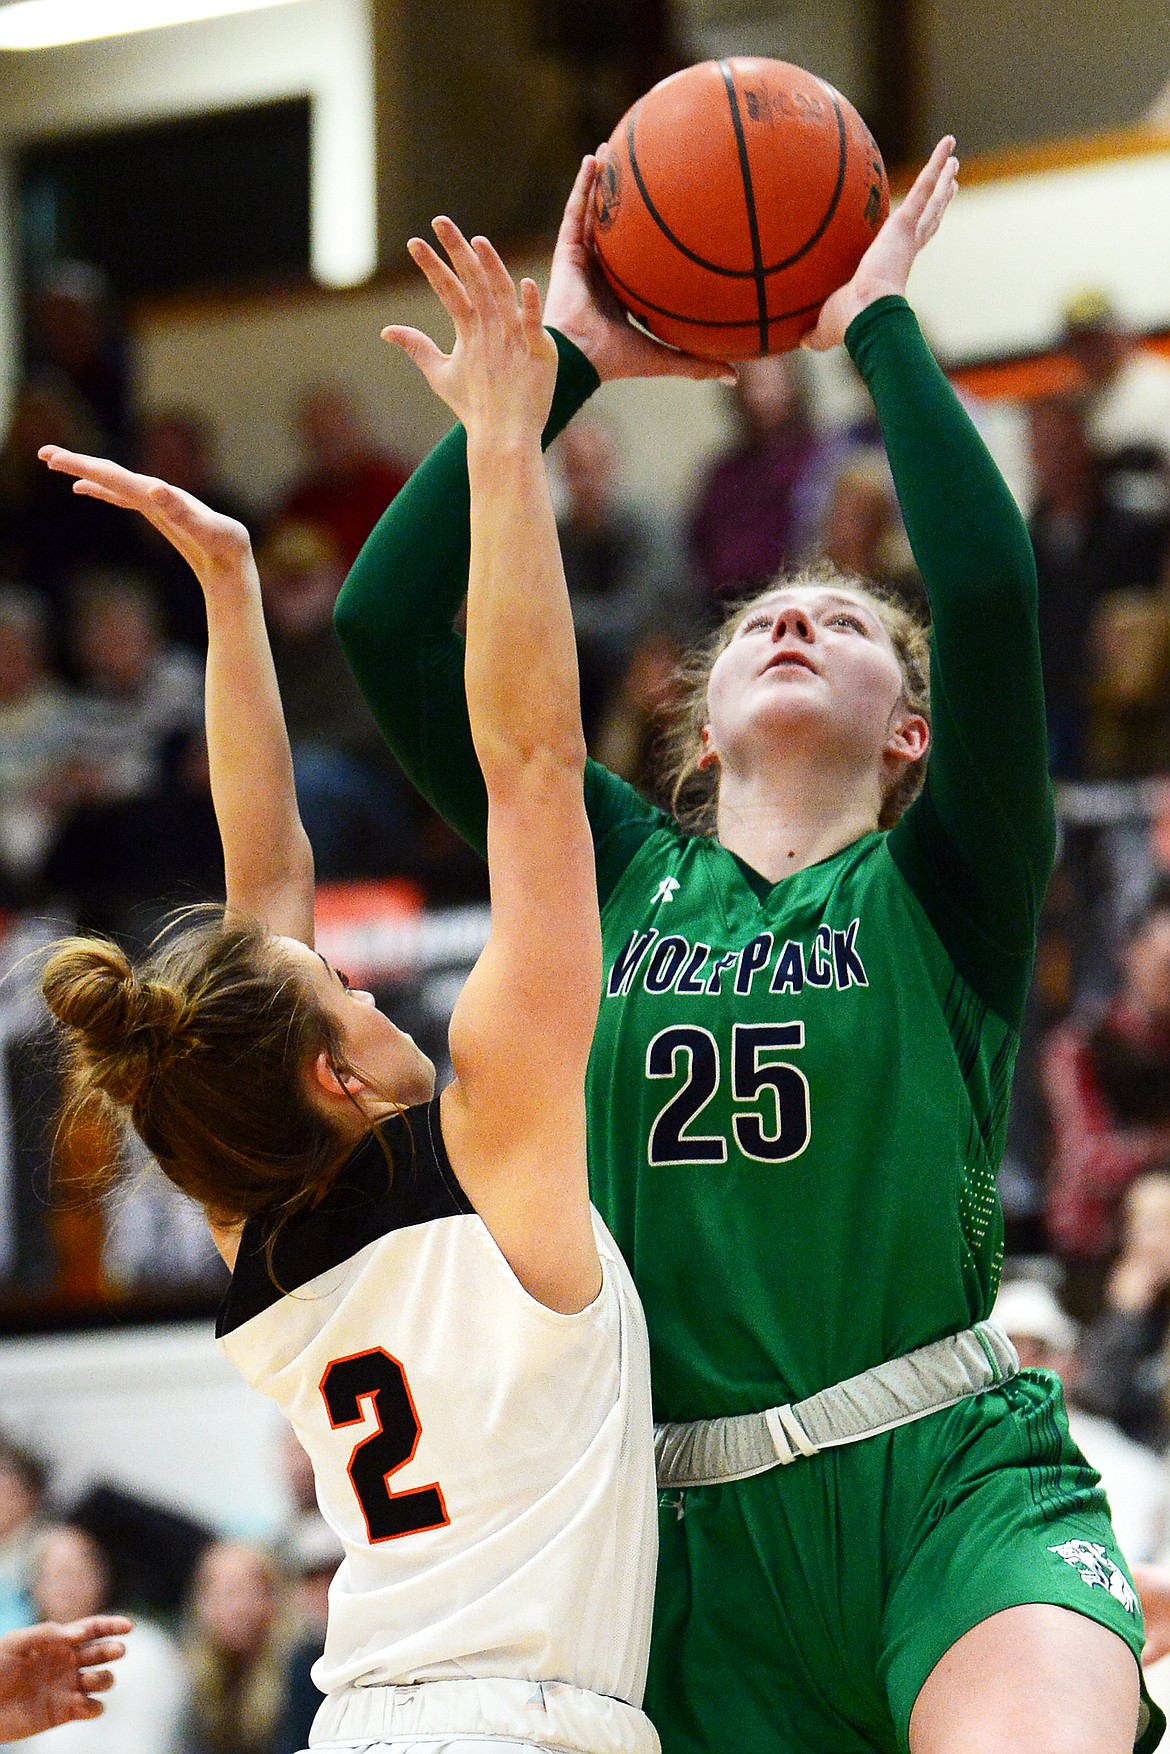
798, 1093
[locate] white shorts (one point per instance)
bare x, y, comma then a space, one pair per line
479, 1717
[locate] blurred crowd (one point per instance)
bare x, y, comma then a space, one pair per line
226, 1630
105, 809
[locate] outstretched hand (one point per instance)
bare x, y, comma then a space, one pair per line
48, 1677
500, 375
885, 266
215, 547
583, 308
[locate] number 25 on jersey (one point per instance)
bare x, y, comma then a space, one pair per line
778, 1134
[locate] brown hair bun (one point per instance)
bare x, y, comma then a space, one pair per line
206, 1048
126, 1027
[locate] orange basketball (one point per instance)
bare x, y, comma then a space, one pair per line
736, 196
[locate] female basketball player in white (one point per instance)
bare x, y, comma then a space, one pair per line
419, 1283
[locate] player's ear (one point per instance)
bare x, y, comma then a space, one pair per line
909, 738
332, 1081
709, 755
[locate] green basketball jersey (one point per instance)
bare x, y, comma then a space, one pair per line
796, 1111
797, 1093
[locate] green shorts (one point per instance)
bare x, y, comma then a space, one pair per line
800, 1612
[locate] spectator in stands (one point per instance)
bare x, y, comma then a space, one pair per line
22, 1490
313, 1560
1128, 386
139, 691
863, 535
46, 531
77, 335
36, 736
763, 502
1107, 1082
347, 481
621, 571
353, 799
304, 1522
1123, 1360
238, 1651
1136, 1481
1086, 545
178, 446
1128, 735
120, 863
75, 1578
627, 739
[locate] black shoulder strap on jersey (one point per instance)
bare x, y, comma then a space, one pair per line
399, 1176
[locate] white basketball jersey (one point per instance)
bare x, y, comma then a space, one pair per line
486, 1461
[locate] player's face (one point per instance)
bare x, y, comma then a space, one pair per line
388, 1060
813, 664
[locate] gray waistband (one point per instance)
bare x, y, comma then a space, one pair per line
891, 1394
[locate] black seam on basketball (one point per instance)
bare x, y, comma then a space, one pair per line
745, 171
842, 161
768, 268
621, 286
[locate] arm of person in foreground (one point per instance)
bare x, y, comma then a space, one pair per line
514, 1118
268, 862
267, 858
49, 1674
395, 614
976, 847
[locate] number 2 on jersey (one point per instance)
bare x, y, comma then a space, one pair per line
378, 1377
671, 1141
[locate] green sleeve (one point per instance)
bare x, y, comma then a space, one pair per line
977, 845
395, 617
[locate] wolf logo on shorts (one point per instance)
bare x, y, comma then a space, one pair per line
1098, 1570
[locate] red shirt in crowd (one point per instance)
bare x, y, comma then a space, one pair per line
1100, 1141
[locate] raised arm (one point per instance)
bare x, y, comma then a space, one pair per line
977, 846
394, 616
514, 1119
267, 858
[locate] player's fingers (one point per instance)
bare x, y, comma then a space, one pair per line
98, 1626
64, 462
464, 260
688, 365
96, 1651
940, 200
500, 282
178, 514
418, 348
530, 314
81, 1705
97, 1680
443, 281
573, 220
87, 489
926, 182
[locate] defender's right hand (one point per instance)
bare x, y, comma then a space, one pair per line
216, 548
499, 377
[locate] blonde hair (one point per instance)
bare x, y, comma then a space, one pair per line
693, 790
205, 1049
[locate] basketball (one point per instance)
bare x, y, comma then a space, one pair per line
735, 197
